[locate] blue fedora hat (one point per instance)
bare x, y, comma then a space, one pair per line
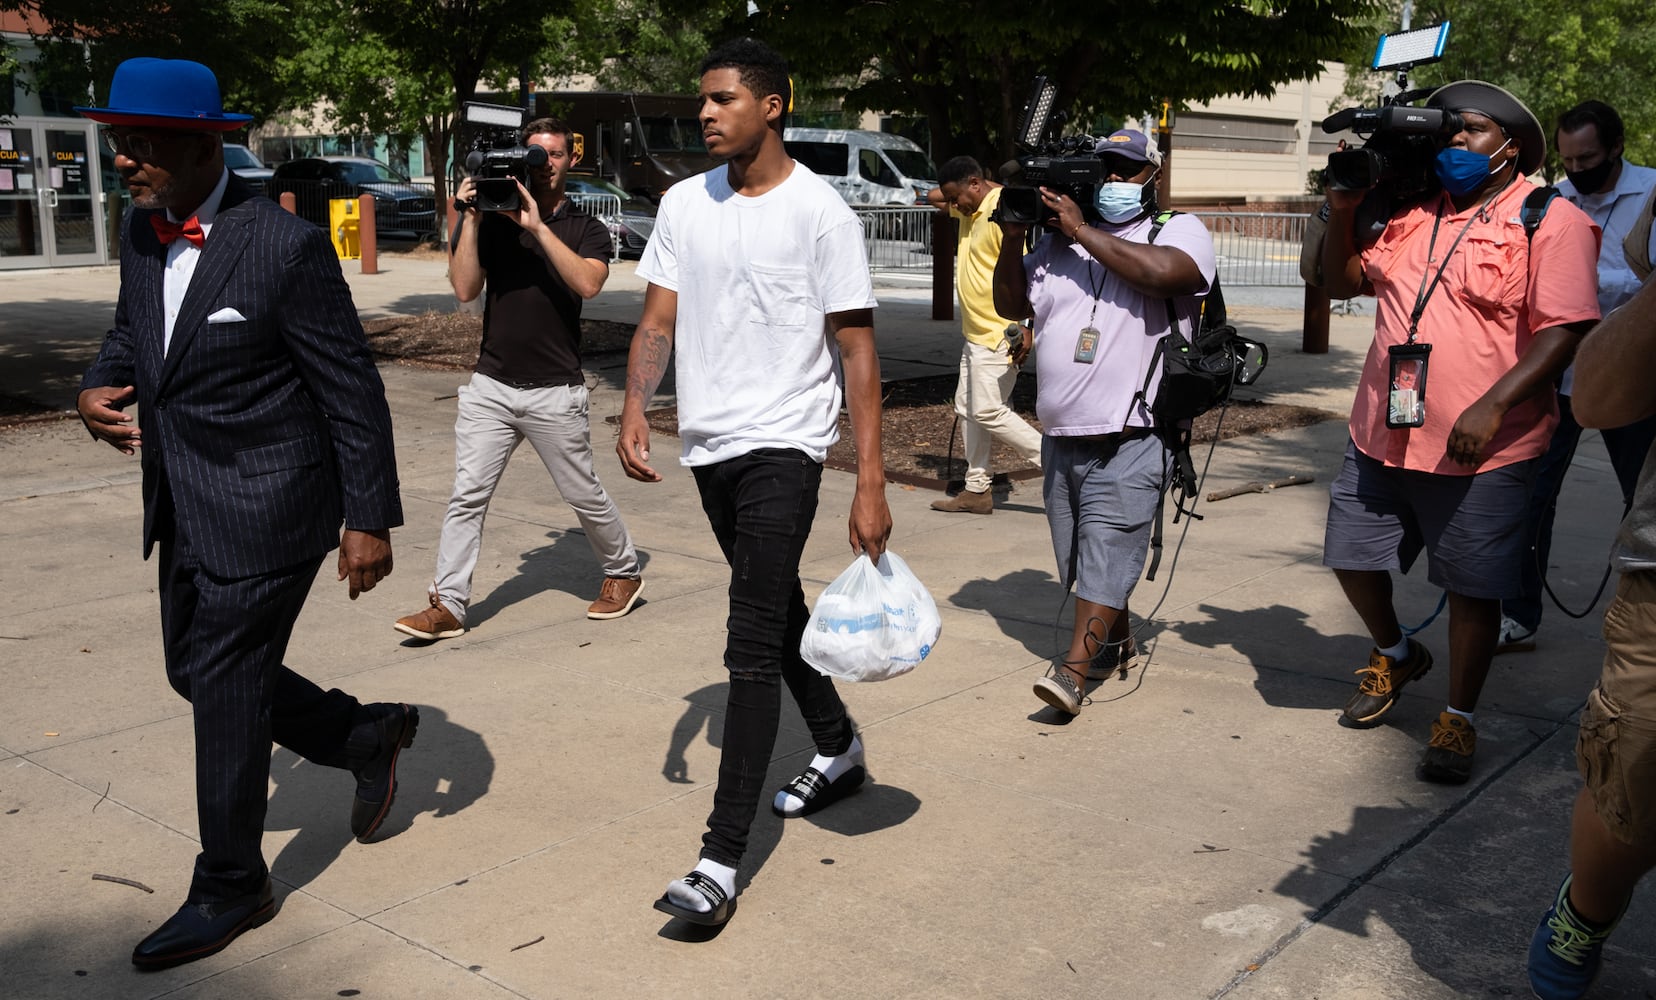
166, 93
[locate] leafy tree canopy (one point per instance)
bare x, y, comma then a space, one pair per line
967, 65
241, 40
1552, 54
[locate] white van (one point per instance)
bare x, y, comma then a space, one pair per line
866, 168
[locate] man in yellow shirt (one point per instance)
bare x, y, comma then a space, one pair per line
994, 346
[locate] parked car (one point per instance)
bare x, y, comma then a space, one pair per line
631, 229
401, 207
245, 165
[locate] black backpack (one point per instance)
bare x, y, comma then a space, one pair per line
1196, 376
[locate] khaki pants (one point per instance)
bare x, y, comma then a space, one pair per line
986, 380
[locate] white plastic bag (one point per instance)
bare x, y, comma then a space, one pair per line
876, 621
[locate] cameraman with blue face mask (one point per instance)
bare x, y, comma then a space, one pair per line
1447, 463
1102, 293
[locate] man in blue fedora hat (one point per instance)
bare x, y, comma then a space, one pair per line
264, 430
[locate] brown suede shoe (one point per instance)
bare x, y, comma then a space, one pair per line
967, 502
435, 622
616, 597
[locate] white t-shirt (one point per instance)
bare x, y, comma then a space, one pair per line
754, 363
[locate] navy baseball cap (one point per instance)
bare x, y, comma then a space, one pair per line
1130, 143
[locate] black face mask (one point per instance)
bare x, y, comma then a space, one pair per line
1591, 180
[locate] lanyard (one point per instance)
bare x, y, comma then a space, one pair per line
1425, 291
1098, 288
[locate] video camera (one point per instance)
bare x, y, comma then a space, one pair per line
1066, 164
1394, 164
498, 161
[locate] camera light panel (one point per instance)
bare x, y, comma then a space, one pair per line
496, 115
1411, 48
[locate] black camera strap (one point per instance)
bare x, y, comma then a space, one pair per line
1426, 290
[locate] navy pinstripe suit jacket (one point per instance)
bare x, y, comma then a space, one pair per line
267, 433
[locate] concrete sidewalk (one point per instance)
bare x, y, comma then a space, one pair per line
1204, 828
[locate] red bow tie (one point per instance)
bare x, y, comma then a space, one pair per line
166, 231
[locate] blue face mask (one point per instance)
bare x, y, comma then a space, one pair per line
1119, 201
1461, 170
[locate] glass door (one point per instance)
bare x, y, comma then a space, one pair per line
74, 206
22, 233
51, 197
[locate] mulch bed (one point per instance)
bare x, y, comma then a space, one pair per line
919, 435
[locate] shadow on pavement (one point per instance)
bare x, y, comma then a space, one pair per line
565, 563
448, 768
1265, 636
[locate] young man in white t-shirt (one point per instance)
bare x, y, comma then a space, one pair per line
750, 266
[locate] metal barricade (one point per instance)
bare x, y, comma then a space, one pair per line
1256, 248
607, 209
898, 238
1252, 248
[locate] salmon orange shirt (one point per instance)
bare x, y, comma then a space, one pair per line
1498, 289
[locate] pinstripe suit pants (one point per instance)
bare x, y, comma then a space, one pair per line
224, 641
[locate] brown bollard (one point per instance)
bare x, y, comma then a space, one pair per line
368, 234
1315, 338
943, 265
289, 201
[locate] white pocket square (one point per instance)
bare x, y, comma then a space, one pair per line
227, 315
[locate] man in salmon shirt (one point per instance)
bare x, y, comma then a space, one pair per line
1445, 462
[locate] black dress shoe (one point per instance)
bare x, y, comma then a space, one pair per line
814, 790
201, 929
383, 738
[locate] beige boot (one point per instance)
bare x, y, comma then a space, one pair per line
967, 502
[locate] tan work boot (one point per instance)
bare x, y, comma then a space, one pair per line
1448, 756
967, 502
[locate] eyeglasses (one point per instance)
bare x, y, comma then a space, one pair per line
139, 147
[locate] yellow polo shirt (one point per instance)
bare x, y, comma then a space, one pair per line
980, 245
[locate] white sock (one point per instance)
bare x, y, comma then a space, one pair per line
1455, 711
831, 768
1398, 652
680, 892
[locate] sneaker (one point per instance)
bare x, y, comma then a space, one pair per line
1382, 682
435, 622
1448, 757
967, 502
1059, 689
1515, 638
1564, 953
1114, 659
616, 597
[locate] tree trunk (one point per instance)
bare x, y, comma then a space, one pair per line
438, 131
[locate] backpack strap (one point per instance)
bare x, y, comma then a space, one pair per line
1535, 209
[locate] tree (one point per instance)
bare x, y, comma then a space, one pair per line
241, 40
635, 45
967, 65
407, 66
1552, 54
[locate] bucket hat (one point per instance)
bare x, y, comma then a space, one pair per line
1500, 106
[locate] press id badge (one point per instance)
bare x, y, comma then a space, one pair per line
1406, 395
1086, 345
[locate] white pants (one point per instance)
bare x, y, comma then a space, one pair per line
493, 418
986, 380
